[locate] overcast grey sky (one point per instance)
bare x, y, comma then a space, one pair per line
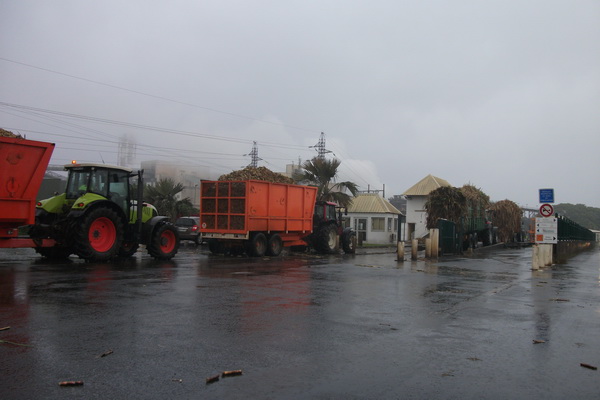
504, 95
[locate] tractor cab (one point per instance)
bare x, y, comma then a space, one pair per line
325, 212
101, 181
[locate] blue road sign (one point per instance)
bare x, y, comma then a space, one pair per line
546, 195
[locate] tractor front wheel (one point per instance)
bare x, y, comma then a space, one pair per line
349, 243
99, 236
164, 242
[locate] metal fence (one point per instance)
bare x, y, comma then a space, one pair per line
570, 230
449, 243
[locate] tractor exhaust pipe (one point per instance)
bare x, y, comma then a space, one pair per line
140, 205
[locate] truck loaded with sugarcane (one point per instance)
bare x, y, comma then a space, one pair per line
477, 220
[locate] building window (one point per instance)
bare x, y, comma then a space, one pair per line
377, 224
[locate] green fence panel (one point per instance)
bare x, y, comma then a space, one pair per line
448, 237
570, 230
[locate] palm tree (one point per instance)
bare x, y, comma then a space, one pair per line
322, 173
163, 196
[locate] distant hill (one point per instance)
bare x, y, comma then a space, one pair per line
588, 217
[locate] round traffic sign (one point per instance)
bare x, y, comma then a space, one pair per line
546, 210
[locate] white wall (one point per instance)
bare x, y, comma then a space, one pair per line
415, 214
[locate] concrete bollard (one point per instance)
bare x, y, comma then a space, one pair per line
535, 258
548, 254
414, 249
400, 251
435, 243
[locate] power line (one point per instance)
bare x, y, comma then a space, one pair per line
156, 96
145, 127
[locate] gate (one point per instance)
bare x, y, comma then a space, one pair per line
448, 239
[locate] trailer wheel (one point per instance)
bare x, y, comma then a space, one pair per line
326, 239
164, 242
487, 238
128, 249
215, 246
349, 243
275, 245
99, 235
54, 253
257, 246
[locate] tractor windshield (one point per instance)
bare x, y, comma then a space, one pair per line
112, 184
78, 183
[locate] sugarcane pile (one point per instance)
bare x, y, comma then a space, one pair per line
256, 173
445, 202
507, 217
5, 133
477, 200
477, 204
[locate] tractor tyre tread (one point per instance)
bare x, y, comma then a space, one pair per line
82, 246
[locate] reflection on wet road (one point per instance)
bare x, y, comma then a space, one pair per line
300, 326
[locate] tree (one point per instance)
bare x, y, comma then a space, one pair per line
322, 173
163, 196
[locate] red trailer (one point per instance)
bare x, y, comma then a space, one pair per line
257, 216
23, 164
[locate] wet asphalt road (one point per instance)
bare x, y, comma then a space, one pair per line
300, 327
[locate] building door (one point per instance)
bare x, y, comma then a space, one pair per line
360, 226
410, 235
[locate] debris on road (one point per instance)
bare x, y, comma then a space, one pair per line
15, 343
589, 366
538, 341
177, 380
71, 383
5, 328
231, 373
212, 379
560, 300
106, 353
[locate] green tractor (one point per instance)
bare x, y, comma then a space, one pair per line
99, 219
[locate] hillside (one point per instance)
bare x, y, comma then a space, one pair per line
588, 217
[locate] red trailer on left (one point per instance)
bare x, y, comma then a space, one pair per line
23, 164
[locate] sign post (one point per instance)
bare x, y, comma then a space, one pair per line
546, 231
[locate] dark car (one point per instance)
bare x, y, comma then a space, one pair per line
189, 229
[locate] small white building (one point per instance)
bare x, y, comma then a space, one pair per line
416, 197
374, 219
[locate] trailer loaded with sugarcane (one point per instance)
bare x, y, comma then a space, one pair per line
262, 217
474, 218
